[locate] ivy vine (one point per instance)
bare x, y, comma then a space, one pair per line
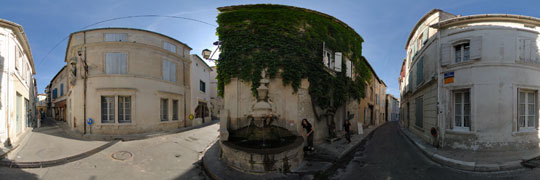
288, 42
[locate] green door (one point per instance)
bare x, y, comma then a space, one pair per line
19, 114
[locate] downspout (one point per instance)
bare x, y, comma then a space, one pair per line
441, 119
85, 81
184, 81
8, 95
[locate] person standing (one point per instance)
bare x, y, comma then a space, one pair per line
347, 126
309, 133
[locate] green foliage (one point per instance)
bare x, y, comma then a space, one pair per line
288, 42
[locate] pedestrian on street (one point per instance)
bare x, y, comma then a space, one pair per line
309, 133
347, 126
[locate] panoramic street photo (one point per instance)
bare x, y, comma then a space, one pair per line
277, 90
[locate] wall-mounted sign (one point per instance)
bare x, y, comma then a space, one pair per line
191, 117
90, 121
448, 77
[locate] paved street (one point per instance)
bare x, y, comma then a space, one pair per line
389, 155
173, 156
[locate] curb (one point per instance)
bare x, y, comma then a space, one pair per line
56, 162
463, 165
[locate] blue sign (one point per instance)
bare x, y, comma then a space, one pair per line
449, 74
90, 121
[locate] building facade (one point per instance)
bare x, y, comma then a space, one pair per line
216, 101
481, 70
59, 89
127, 81
392, 108
372, 106
17, 88
41, 104
200, 90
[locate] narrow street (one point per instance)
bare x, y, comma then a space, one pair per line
390, 155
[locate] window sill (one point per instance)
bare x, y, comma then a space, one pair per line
463, 63
168, 122
419, 128
525, 132
460, 131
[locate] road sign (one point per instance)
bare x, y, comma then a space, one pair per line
191, 117
448, 77
90, 121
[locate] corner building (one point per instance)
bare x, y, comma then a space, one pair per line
473, 79
127, 81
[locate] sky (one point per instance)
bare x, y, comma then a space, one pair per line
384, 24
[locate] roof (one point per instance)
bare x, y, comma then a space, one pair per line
487, 17
121, 28
21, 36
58, 74
195, 55
420, 21
229, 8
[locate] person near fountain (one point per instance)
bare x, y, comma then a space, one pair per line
347, 126
309, 133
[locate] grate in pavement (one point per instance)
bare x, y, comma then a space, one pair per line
122, 155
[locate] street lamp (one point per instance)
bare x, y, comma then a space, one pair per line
207, 54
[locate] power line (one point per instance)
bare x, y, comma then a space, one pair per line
119, 18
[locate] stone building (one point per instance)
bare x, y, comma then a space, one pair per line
200, 90
482, 72
41, 104
372, 107
17, 86
392, 108
59, 88
216, 102
127, 81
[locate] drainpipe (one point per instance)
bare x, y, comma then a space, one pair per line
441, 119
8, 95
184, 81
85, 81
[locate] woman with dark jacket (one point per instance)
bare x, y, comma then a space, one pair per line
309, 133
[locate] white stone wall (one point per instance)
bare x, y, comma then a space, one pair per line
200, 72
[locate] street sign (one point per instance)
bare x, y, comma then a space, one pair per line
448, 77
191, 117
90, 121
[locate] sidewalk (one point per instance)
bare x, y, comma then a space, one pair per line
481, 161
315, 163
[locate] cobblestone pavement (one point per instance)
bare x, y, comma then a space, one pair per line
389, 155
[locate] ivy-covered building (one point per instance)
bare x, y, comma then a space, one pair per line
313, 60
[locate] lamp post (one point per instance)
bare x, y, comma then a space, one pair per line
207, 54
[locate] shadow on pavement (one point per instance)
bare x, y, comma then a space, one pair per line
15, 174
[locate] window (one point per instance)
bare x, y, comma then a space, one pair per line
55, 93
462, 52
419, 112
420, 71
202, 86
175, 109
116, 37
186, 53
169, 70
527, 109
377, 99
107, 109
61, 90
116, 63
169, 47
528, 50
18, 58
164, 106
462, 110
425, 36
124, 109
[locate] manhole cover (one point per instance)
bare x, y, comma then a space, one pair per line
121, 155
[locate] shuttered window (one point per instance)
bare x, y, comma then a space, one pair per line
425, 36
169, 70
349, 67
462, 110
169, 47
61, 90
528, 50
202, 86
116, 63
116, 37
174, 109
420, 71
107, 109
419, 112
164, 109
186, 53
124, 109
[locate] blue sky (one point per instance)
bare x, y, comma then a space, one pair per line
384, 24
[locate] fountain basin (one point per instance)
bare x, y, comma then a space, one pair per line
248, 159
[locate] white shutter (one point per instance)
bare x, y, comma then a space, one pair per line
109, 63
166, 70
349, 68
338, 60
122, 63
170, 47
445, 54
115, 37
476, 47
116, 63
325, 59
172, 72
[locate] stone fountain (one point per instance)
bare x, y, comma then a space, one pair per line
264, 144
